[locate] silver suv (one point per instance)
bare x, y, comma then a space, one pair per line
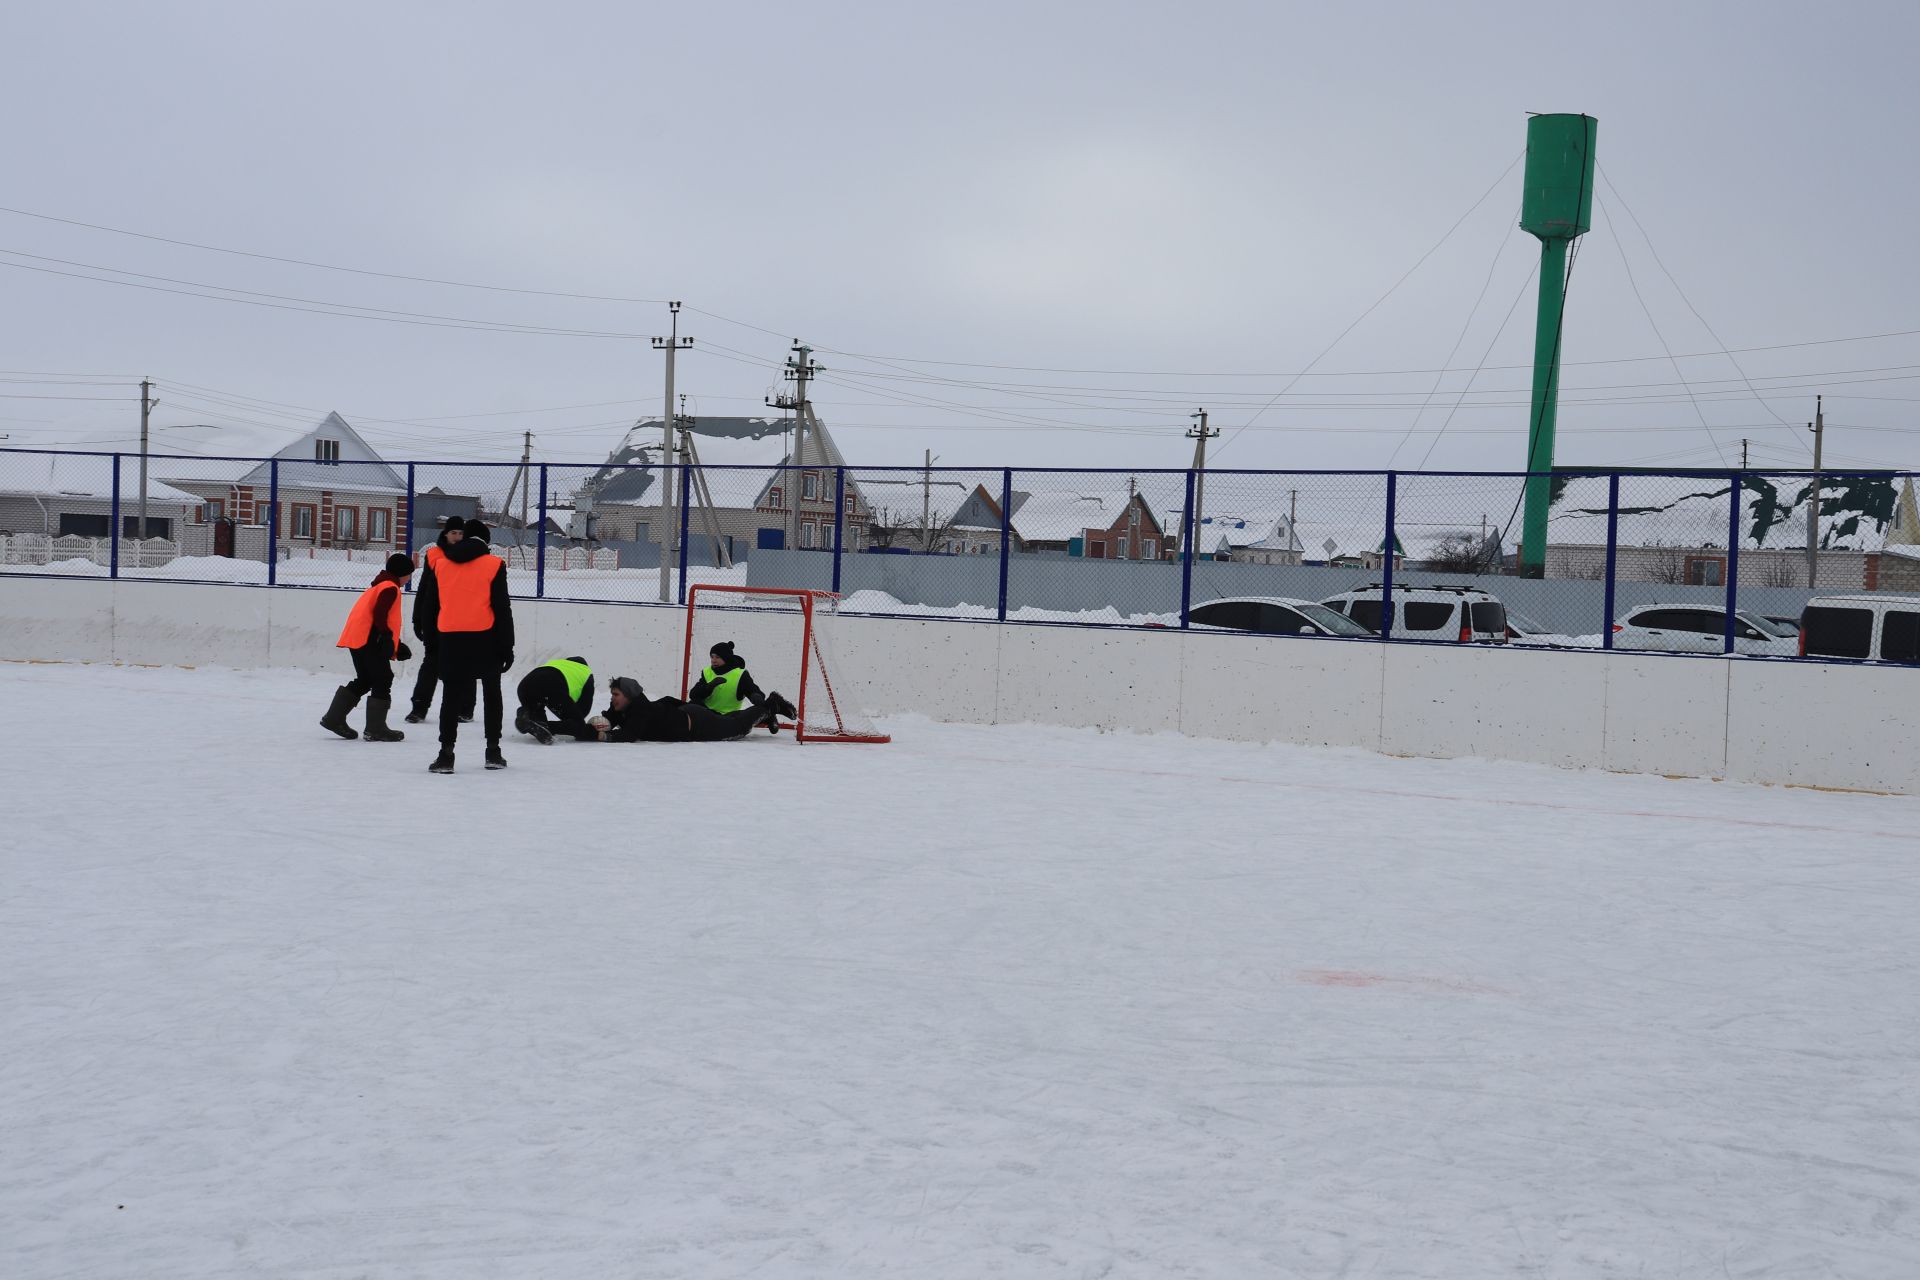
1457, 614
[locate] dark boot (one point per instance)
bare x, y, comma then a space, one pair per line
377, 730
494, 759
533, 728
442, 763
779, 706
419, 713
335, 721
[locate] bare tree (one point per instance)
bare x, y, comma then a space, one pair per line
1458, 551
1777, 571
1666, 564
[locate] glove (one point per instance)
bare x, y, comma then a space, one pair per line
406, 654
506, 662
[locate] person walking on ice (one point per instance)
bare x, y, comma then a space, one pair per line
473, 616
563, 686
372, 636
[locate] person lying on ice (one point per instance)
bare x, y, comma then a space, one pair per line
633, 717
725, 685
563, 686
372, 636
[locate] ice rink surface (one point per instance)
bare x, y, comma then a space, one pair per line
985, 1002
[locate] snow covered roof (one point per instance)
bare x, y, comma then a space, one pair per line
48, 475
1058, 517
1857, 513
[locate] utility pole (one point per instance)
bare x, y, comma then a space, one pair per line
799, 371
1743, 453
526, 475
926, 503
146, 409
1293, 523
672, 345
1200, 435
1819, 428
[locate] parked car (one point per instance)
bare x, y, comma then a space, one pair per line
1521, 627
1466, 615
1790, 622
1700, 628
1874, 628
1274, 616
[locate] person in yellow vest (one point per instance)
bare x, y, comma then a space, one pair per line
725, 686
563, 686
473, 616
372, 636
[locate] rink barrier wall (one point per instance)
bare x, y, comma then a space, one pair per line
1798, 722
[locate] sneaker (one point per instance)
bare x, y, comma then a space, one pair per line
442, 763
494, 759
538, 732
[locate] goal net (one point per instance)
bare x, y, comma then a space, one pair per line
785, 637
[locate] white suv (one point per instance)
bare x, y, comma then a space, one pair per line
1462, 615
1874, 628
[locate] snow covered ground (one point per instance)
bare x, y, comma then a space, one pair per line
984, 1002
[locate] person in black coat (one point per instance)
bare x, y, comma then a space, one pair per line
544, 689
631, 716
426, 605
719, 689
470, 653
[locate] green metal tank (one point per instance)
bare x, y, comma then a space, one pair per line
1557, 203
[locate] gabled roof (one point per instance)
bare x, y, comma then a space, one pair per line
1059, 517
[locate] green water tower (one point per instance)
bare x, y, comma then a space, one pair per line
1557, 206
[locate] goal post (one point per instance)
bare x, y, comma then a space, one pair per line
785, 636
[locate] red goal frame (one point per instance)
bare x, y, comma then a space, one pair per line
809, 652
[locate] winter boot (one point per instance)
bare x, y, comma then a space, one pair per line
442, 763
533, 728
781, 707
494, 759
335, 721
418, 715
377, 730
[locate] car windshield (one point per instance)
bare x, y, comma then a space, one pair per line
1334, 624
1767, 626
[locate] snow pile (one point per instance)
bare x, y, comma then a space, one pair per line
985, 1002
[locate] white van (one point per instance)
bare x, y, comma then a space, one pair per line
1459, 615
1870, 628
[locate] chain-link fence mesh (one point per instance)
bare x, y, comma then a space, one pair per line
1286, 540
921, 540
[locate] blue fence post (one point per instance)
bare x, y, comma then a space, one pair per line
1386, 561
1188, 528
686, 474
839, 521
1006, 534
540, 546
273, 521
1733, 553
113, 530
1613, 556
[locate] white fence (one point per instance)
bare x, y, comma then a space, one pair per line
1745, 719
45, 549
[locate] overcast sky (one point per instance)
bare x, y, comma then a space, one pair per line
1192, 200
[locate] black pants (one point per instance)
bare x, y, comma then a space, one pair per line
544, 689
464, 658
429, 677
372, 672
711, 726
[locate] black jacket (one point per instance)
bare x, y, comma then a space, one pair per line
426, 606
749, 691
426, 596
547, 687
647, 719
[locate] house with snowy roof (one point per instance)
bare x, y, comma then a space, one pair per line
46, 498
335, 490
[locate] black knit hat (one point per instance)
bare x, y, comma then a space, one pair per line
399, 565
725, 650
455, 524
475, 529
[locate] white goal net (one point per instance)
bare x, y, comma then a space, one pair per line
785, 637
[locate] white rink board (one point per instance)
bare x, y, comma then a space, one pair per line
1757, 721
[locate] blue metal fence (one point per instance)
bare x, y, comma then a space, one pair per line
1397, 551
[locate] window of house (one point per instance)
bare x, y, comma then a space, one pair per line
346, 524
211, 510
806, 535
379, 524
773, 496
262, 511
1149, 549
1706, 571
304, 515
326, 451
810, 486
1119, 548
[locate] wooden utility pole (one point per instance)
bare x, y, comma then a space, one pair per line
926, 502
672, 345
1819, 428
146, 409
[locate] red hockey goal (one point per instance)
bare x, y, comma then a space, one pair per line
785, 636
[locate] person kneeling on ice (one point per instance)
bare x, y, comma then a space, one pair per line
563, 686
633, 717
725, 685
372, 636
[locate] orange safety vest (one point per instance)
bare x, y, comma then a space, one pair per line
466, 593
434, 555
360, 627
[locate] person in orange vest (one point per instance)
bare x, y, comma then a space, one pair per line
424, 605
372, 636
473, 617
